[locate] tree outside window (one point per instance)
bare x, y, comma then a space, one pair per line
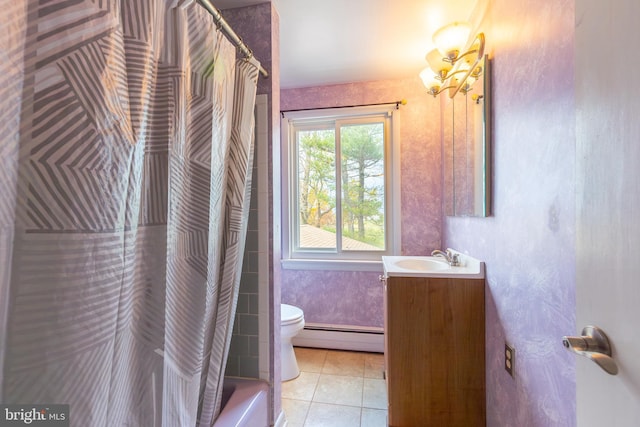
359, 213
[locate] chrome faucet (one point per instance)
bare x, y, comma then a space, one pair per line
452, 259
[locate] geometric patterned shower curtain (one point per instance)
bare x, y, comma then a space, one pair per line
125, 168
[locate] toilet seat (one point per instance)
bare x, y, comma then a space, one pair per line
290, 314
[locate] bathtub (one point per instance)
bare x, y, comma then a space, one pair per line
245, 403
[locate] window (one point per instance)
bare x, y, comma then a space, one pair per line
340, 173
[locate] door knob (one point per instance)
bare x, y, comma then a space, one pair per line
594, 345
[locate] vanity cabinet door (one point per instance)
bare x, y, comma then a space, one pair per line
434, 343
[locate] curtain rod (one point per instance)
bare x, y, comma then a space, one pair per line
397, 103
222, 23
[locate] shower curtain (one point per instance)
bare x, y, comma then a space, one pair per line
126, 147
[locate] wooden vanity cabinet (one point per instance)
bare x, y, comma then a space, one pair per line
435, 352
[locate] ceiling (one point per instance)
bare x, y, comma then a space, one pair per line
340, 41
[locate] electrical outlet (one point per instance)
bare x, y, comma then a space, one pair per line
509, 359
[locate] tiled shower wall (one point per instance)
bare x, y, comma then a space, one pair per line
244, 351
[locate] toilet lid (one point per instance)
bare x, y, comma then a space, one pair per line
290, 314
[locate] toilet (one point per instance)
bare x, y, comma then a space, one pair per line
291, 322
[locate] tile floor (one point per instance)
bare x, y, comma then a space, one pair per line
336, 389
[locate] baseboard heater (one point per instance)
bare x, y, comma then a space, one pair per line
341, 337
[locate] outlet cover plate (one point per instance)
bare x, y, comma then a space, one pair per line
509, 359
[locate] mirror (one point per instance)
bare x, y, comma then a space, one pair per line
466, 155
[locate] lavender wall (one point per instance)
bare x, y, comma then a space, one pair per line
355, 298
528, 245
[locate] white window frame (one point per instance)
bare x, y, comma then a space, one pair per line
351, 260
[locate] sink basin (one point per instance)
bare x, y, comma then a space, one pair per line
430, 266
421, 264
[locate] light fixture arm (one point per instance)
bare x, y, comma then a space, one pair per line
479, 41
435, 90
459, 57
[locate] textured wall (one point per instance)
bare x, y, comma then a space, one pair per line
528, 244
355, 298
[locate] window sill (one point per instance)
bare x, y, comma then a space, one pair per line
331, 265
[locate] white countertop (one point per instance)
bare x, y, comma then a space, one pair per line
470, 268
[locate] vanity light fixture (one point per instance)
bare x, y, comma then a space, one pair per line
450, 66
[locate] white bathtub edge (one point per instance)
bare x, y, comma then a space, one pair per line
281, 421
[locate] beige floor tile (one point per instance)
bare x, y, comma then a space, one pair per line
310, 359
339, 390
301, 388
374, 394
327, 415
344, 363
373, 418
336, 388
374, 365
295, 411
